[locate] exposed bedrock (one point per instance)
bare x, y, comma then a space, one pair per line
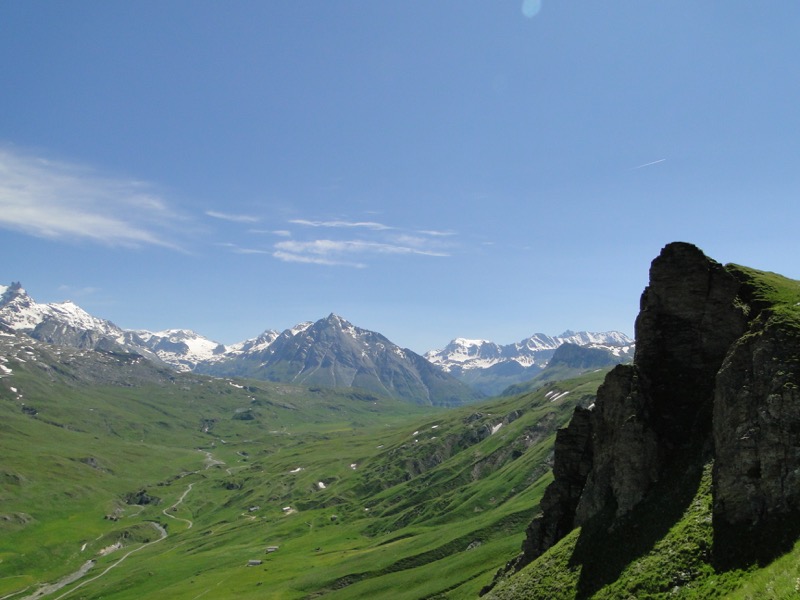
714, 374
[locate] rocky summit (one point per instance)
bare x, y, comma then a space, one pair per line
714, 382
332, 352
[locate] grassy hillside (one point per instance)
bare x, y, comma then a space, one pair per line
171, 484
666, 546
664, 550
778, 294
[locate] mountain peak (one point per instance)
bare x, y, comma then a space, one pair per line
9, 293
178, 334
332, 352
337, 323
18, 310
335, 319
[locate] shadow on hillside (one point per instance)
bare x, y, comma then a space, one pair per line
606, 547
742, 546
603, 552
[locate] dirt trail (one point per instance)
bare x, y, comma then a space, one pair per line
163, 535
166, 510
211, 461
54, 587
51, 588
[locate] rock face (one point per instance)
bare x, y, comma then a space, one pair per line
573, 460
715, 375
648, 412
757, 432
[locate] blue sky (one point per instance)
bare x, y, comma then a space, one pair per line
424, 169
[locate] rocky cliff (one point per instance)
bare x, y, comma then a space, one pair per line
715, 379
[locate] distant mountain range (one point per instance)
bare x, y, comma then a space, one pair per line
330, 352
333, 352
491, 368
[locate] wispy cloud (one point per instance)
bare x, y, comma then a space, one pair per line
355, 243
435, 233
58, 200
315, 260
650, 164
336, 252
350, 246
234, 218
342, 224
278, 232
236, 249
250, 251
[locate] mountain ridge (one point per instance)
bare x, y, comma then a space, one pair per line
335, 353
485, 367
492, 368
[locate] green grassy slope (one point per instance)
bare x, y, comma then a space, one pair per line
665, 547
663, 551
779, 295
362, 496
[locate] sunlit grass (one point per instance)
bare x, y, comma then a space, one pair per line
417, 500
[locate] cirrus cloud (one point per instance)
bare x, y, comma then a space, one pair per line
338, 252
59, 200
233, 218
343, 224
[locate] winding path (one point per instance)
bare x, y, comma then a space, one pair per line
51, 588
211, 461
166, 513
54, 587
163, 535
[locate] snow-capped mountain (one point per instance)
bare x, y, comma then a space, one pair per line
465, 354
67, 324
21, 313
256, 344
182, 349
491, 367
62, 323
17, 310
332, 352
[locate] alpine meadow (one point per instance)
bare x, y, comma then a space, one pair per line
417, 300
673, 475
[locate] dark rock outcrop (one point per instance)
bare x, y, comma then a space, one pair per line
716, 374
757, 444
573, 459
648, 412
141, 498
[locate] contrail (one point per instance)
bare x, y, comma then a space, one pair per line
655, 162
